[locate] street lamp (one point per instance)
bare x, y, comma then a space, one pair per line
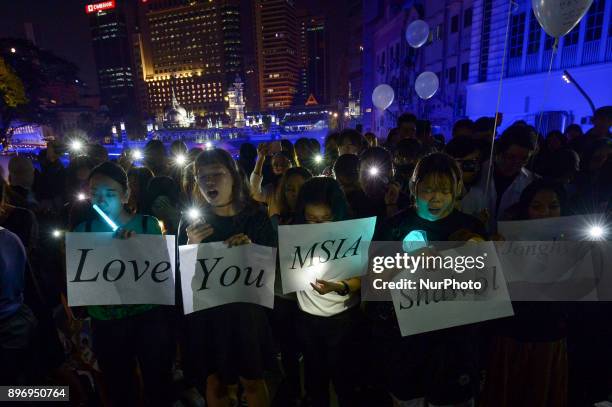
570, 80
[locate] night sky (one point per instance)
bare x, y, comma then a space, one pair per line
60, 26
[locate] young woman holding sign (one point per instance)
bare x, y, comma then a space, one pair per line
329, 322
230, 342
530, 348
126, 334
438, 367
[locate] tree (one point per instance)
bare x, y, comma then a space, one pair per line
25, 71
12, 98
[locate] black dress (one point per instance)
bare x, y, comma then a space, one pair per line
441, 366
231, 340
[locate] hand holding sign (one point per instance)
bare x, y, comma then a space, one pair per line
238, 240
124, 234
325, 287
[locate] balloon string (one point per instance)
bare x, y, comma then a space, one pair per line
499, 92
547, 85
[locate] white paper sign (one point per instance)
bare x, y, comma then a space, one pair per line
213, 274
574, 227
103, 270
549, 270
329, 251
431, 310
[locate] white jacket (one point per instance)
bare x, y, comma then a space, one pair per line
475, 201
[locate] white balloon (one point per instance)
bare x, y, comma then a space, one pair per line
558, 17
383, 96
426, 85
417, 33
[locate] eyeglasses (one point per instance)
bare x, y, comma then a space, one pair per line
468, 165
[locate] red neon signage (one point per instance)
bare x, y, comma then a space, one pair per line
104, 5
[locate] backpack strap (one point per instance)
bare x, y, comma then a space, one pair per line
145, 223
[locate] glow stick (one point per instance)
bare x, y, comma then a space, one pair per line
104, 216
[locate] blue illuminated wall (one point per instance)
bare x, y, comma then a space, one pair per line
466, 50
586, 53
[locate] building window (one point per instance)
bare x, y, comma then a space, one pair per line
517, 29
465, 71
533, 40
595, 21
467, 17
454, 24
452, 75
572, 37
485, 32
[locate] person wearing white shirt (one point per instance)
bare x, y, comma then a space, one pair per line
508, 177
329, 312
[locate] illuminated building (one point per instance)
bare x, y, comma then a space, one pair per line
465, 51
110, 34
279, 61
192, 49
313, 59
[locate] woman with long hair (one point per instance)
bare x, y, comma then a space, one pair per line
230, 343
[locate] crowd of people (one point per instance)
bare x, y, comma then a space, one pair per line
245, 354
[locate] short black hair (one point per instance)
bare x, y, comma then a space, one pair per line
536, 186
423, 127
113, 171
155, 146
410, 148
406, 118
347, 166
322, 190
353, 136
604, 112
484, 124
461, 146
516, 135
463, 124
437, 163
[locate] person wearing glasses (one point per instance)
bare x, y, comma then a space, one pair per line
469, 154
508, 176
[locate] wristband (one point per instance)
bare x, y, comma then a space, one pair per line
346, 290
